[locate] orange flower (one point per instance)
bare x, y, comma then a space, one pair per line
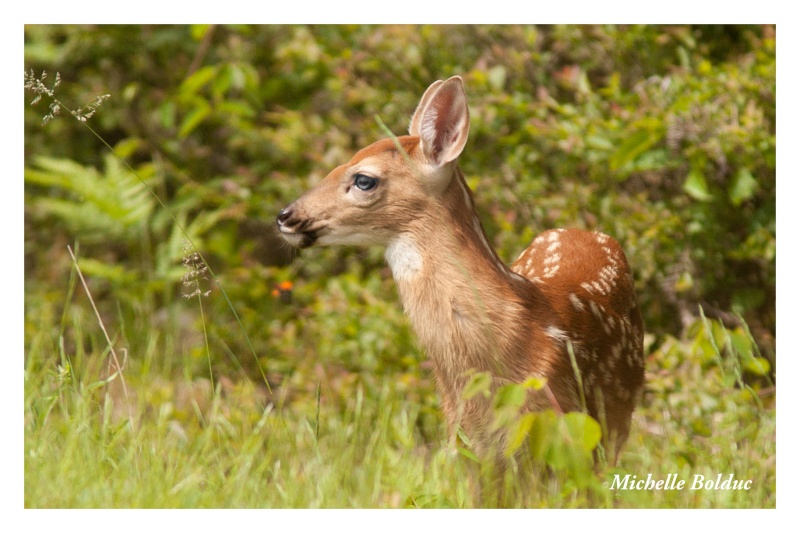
283, 290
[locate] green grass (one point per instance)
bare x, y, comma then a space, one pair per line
79, 453
350, 442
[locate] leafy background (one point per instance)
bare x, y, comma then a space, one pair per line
662, 136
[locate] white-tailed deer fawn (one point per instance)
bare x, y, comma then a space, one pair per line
570, 290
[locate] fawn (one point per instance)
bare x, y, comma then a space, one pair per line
569, 290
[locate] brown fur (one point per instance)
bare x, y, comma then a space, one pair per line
469, 311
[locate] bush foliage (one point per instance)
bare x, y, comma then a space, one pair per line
662, 136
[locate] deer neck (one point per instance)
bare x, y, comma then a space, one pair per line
462, 301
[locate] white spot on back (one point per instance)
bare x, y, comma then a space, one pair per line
616, 351
557, 334
555, 245
576, 302
550, 259
550, 271
595, 310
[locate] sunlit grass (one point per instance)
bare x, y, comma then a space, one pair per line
356, 446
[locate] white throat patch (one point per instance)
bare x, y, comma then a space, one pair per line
404, 258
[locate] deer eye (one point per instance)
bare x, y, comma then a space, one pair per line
364, 182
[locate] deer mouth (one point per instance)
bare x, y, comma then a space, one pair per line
302, 239
297, 231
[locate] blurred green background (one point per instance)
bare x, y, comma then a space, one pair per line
661, 136
664, 137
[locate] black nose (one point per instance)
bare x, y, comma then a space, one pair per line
283, 216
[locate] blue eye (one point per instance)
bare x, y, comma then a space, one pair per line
365, 182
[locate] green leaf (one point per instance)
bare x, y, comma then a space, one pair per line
468, 454
599, 142
743, 187
222, 81
102, 382
510, 396
758, 366
198, 80
634, 145
115, 273
535, 383
519, 433
741, 343
696, 186
463, 436
542, 429
199, 31
241, 109
583, 430
194, 118
101, 206
166, 114
479, 383
127, 147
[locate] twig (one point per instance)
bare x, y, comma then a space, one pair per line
202, 50
108, 339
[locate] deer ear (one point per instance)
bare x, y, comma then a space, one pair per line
442, 121
413, 127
